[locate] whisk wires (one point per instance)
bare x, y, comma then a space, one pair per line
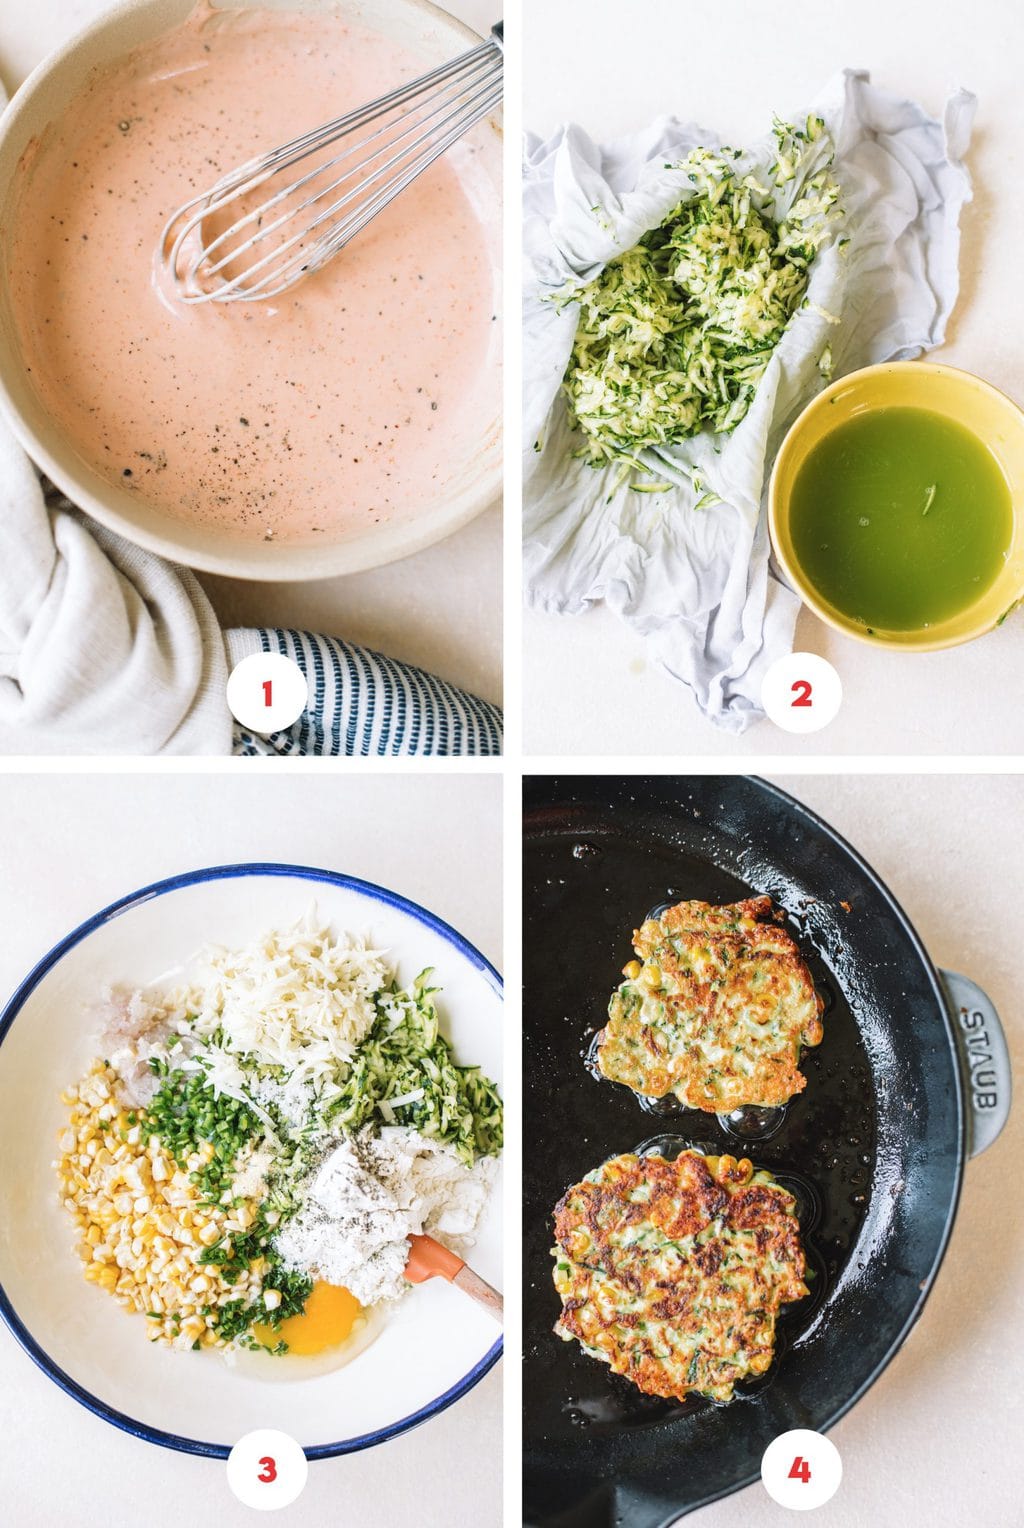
257, 232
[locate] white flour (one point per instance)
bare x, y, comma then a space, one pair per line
372, 1192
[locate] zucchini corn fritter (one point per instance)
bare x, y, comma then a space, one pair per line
673, 1272
715, 1009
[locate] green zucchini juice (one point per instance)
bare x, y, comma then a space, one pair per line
900, 518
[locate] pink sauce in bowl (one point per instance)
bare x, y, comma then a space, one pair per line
353, 401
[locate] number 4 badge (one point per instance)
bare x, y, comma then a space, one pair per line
801, 1469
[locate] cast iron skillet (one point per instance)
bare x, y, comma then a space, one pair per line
912, 1077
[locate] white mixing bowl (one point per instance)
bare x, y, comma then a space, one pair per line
432, 1347
475, 483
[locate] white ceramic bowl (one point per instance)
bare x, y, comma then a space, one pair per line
431, 1349
475, 483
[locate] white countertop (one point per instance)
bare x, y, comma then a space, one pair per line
731, 66
71, 845
937, 1440
440, 609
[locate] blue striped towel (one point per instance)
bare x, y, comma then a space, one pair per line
364, 703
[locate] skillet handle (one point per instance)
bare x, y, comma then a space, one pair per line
618, 1504
984, 1060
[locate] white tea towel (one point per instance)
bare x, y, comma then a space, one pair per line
104, 648
362, 703
697, 583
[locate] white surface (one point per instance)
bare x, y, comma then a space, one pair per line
441, 608
580, 670
937, 1440
60, 1464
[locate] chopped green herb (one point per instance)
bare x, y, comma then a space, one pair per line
186, 1113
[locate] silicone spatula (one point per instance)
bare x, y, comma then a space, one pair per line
429, 1260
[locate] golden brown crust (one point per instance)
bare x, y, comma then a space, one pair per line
673, 1272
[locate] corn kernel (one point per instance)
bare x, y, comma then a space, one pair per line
141, 1230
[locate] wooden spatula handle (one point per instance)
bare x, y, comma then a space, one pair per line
479, 1290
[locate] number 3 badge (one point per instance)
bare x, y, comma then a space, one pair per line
267, 1470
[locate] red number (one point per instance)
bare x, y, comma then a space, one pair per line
269, 1472
801, 690
800, 1470
268, 690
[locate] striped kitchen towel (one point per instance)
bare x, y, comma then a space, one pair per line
364, 703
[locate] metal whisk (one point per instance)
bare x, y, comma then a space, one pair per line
232, 244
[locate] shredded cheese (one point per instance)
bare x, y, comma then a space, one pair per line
296, 999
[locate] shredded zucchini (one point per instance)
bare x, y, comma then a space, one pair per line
675, 334
403, 1074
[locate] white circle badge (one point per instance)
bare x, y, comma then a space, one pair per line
267, 1470
801, 692
801, 1469
267, 692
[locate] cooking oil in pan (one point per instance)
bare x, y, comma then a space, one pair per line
753, 1122
621, 1404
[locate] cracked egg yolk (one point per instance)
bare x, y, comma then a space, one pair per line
327, 1320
